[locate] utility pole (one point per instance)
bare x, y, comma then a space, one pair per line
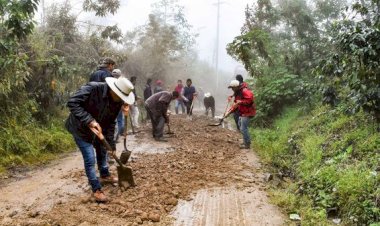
43, 13
217, 43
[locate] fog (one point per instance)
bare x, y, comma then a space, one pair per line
202, 16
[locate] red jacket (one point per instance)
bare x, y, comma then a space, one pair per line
179, 89
246, 107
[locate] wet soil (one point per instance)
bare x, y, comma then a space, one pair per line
200, 177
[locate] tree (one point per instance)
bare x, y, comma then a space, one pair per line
351, 74
160, 44
280, 44
16, 23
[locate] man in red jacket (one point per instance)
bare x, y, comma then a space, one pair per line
245, 105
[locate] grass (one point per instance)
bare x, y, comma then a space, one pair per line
333, 161
32, 144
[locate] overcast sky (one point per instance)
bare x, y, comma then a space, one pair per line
201, 14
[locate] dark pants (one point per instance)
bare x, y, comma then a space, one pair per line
189, 110
212, 110
158, 124
236, 118
120, 124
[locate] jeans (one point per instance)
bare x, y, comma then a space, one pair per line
179, 103
243, 126
120, 124
87, 150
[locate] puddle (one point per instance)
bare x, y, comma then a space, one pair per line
142, 143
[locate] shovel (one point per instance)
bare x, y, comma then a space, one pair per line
192, 104
125, 154
169, 131
224, 116
124, 173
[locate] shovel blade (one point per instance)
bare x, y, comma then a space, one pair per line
125, 175
217, 124
124, 156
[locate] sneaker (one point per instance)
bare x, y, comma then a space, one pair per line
160, 139
100, 196
108, 180
245, 146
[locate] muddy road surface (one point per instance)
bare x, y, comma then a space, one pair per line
199, 177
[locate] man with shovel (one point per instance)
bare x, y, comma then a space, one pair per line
157, 107
245, 106
93, 111
189, 94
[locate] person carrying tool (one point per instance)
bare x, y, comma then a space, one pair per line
209, 104
93, 111
157, 107
189, 94
245, 105
244, 85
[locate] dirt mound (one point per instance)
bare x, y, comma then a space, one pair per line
203, 157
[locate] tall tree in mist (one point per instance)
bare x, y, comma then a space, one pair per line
165, 40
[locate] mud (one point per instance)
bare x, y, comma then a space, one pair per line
197, 158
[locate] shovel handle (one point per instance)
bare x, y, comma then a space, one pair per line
112, 153
109, 148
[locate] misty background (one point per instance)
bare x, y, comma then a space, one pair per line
202, 17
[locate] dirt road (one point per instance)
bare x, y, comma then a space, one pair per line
200, 177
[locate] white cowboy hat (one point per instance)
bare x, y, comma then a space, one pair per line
123, 88
234, 83
207, 94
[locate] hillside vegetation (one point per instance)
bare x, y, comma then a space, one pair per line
329, 163
316, 76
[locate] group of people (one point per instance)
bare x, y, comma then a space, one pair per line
99, 105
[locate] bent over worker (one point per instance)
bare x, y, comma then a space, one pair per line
245, 105
157, 107
93, 111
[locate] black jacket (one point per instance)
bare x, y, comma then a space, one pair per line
100, 75
209, 102
147, 92
92, 101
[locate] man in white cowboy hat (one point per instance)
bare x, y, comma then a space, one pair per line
93, 110
209, 104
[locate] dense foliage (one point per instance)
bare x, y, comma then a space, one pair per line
351, 73
333, 159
